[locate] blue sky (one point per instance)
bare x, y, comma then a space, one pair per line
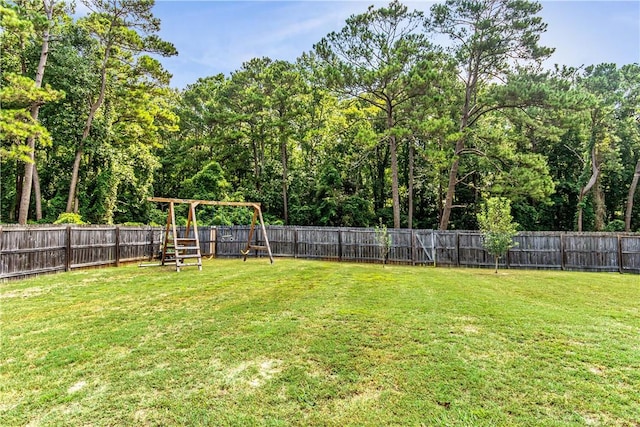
218, 36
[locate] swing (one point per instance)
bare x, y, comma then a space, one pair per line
180, 248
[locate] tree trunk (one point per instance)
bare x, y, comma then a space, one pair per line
15, 209
595, 171
285, 201
472, 77
378, 174
631, 196
74, 176
25, 197
451, 188
600, 207
37, 193
395, 190
410, 185
87, 128
256, 165
580, 214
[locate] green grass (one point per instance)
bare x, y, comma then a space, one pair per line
317, 343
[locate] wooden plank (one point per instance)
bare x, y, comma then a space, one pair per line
264, 232
30, 273
563, 259
620, 260
35, 250
251, 233
67, 266
202, 202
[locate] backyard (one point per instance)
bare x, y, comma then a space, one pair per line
320, 343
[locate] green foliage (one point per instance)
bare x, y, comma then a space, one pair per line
69, 218
17, 95
208, 184
497, 226
615, 225
382, 59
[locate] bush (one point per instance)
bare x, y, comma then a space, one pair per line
615, 225
69, 218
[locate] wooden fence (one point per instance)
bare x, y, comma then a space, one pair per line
615, 252
26, 251
33, 250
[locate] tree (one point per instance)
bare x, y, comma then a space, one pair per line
245, 106
26, 23
285, 90
632, 191
203, 135
489, 37
17, 95
630, 121
123, 29
381, 58
49, 21
609, 125
497, 226
69, 69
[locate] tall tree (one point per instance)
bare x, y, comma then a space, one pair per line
124, 29
603, 84
489, 37
245, 105
630, 121
382, 58
287, 93
25, 24
48, 22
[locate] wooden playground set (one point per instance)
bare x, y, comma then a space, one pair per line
182, 247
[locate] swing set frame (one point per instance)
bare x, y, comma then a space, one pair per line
174, 249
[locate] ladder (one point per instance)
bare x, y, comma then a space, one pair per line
181, 249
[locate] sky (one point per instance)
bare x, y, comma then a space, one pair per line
214, 36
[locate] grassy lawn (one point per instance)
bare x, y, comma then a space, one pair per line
318, 343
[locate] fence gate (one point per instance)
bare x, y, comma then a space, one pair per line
426, 244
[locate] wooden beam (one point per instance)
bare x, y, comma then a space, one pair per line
203, 202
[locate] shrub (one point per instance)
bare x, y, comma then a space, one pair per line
69, 218
615, 225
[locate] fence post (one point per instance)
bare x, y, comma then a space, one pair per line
457, 249
413, 247
620, 259
150, 243
67, 261
562, 254
2, 267
117, 246
339, 244
213, 232
295, 242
